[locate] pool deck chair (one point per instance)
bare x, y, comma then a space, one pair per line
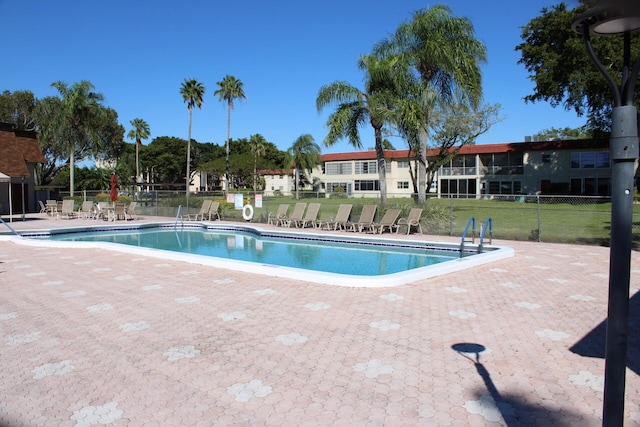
131, 210
296, 216
214, 211
86, 210
340, 220
311, 217
68, 209
367, 217
388, 221
280, 215
413, 220
204, 210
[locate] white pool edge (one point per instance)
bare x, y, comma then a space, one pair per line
494, 253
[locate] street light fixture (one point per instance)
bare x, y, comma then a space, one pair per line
615, 18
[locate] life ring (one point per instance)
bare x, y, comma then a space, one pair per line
247, 212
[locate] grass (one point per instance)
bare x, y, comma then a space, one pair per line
584, 223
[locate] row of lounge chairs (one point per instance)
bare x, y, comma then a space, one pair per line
209, 209
88, 210
365, 223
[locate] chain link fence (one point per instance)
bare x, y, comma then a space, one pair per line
560, 219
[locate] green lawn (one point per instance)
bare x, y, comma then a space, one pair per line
570, 221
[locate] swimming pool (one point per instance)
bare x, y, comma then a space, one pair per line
316, 257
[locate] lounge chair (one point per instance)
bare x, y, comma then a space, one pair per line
279, 216
131, 210
43, 208
86, 210
367, 217
120, 212
214, 211
311, 217
296, 215
340, 220
204, 210
388, 221
413, 220
68, 209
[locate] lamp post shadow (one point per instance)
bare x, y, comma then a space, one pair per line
514, 409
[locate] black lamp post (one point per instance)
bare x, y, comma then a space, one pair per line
617, 18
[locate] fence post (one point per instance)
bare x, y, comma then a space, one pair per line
450, 216
539, 225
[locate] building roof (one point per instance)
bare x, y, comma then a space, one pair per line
17, 149
477, 149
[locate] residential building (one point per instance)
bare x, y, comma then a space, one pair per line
19, 153
575, 167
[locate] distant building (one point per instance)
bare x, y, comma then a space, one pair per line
571, 167
19, 153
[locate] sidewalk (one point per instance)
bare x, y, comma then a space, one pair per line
94, 337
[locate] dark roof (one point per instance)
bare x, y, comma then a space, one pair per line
17, 149
572, 144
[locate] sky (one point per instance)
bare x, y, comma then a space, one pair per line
138, 53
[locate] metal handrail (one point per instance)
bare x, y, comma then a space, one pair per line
9, 227
175, 224
470, 222
487, 224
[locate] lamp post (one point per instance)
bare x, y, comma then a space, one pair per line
617, 18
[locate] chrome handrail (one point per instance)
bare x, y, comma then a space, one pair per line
470, 222
9, 227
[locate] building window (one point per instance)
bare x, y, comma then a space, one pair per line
367, 185
403, 185
338, 168
366, 167
546, 158
590, 160
505, 187
337, 187
403, 164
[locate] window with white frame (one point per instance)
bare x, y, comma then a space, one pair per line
366, 185
403, 185
366, 167
338, 168
403, 164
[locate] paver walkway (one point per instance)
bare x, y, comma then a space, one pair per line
95, 337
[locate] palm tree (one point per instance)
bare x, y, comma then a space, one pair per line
304, 154
193, 94
258, 147
73, 118
139, 132
446, 56
355, 107
229, 90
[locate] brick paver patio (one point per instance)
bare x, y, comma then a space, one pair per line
97, 337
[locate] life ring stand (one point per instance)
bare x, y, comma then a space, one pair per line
247, 212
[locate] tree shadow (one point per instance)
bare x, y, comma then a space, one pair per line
593, 344
513, 409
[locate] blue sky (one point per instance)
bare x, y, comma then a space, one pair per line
138, 54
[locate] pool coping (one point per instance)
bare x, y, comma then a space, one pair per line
493, 253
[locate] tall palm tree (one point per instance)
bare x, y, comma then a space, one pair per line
193, 94
229, 90
446, 56
304, 154
258, 147
139, 132
73, 118
356, 107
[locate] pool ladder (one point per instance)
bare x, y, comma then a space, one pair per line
175, 224
488, 225
9, 227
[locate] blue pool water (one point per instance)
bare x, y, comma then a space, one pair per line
340, 256
355, 260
